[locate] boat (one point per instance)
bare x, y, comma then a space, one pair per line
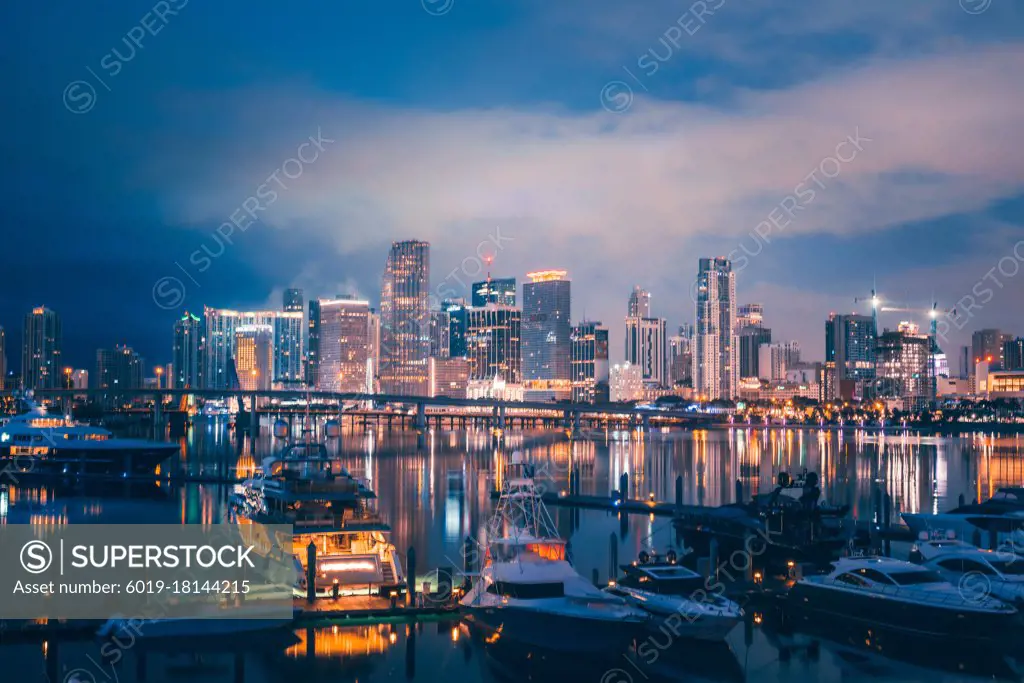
38, 442
334, 512
903, 597
528, 592
976, 572
776, 530
661, 587
1003, 512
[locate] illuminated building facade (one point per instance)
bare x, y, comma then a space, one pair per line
639, 303
987, 345
545, 325
1013, 354
254, 357
493, 346
457, 321
440, 334
750, 338
625, 383
680, 356
449, 377
40, 353
292, 300
646, 347
218, 353
186, 357
903, 367
589, 363
715, 357
118, 368
850, 342
313, 344
405, 319
1005, 384
500, 291
344, 345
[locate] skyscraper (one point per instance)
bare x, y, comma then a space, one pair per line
590, 369
493, 343
501, 291
289, 338
405, 319
3, 356
373, 321
751, 337
40, 354
987, 345
219, 326
646, 347
118, 368
440, 334
219, 352
456, 309
1013, 353
903, 366
639, 303
715, 357
849, 355
344, 345
254, 356
546, 326
186, 357
748, 315
292, 300
680, 356
772, 362
313, 344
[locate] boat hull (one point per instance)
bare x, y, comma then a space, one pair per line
964, 526
133, 460
917, 619
188, 628
704, 627
545, 629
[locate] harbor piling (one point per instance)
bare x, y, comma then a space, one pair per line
679, 492
713, 559
311, 573
739, 491
613, 556
624, 486
410, 590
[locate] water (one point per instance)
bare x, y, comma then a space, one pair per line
435, 491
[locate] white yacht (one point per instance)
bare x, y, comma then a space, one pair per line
527, 591
661, 587
39, 442
977, 573
901, 596
1003, 512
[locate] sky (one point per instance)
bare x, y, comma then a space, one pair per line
161, 157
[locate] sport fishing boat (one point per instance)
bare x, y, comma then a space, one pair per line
527, 591
661, 587
37, 441
903, 597
1003, 512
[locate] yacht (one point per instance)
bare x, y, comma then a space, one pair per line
978, 573
661, 587
36, 441
527, 591
903, 597
335, 512
1003, 512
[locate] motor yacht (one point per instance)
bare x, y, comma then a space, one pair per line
38, 442
977, 573
1003, 512
901, 596
527, 590
661, 587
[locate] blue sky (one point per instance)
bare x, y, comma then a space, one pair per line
450, 120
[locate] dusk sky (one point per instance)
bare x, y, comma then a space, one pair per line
619, 141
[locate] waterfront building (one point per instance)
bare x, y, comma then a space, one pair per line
254, 356
440, 334
292, 300
987, 345
500, 291
219, 349
589, 363
625, 383
1013, 354
495, 388
646, 347
750, 315
405, 319
639, 303
493, 343
750, 338
715, 357
41, 349
850, 342
186, 355
1005, 384
313, 344
756, 389
456, 309
344, 345
772, 362
903, 367
546, 328
117, 368
449, 377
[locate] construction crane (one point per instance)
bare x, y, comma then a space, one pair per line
932, 312
874, 305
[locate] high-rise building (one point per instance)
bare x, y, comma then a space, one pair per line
751, 337
546, 326
966, 362
40, 354
987, 345
449, 377
405, 320
493, 343
771, 362
344, 345
1013, 354
289, 340
590, 370
903, 366
501, 291
219, 349
186, 357
79, 379
646, 348
850, 342
254, 356
374, 340
440, 334
456, 309
292, 300
219, 326
791, 353
313, 344
639, 303
625, 383
716, 357
117, 368
749, 315
680, 356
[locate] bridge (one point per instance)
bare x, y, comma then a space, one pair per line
424, 409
